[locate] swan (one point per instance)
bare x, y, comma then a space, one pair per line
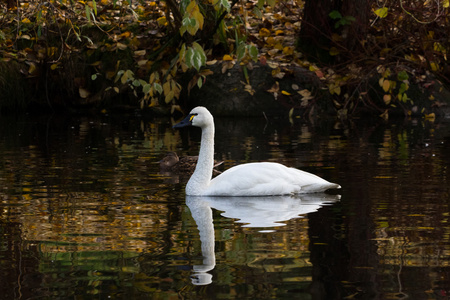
250, 179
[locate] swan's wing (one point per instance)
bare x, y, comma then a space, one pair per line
259, 179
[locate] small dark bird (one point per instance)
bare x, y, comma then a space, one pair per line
185, 164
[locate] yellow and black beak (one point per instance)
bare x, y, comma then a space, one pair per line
186, 121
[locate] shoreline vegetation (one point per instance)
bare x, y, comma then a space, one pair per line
237, 58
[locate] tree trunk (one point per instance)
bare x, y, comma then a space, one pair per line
316, 34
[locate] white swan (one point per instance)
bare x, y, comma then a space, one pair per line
251, 179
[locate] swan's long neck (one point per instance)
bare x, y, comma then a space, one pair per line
201, 178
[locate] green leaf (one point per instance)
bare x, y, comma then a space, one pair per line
253, 51
382, 12
189, 25
240, 52
88, 13
182, 52
260, 3
405, 97
403, 88
257, 12
195, 56
197, 60
94, 76
200, 82
158, 87
197, 46
402, 75
188, 57
348, 20
335, 15
201, 52
225, 4
146, 88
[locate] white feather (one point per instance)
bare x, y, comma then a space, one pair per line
252, 179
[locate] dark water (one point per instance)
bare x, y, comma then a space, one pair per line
85, 212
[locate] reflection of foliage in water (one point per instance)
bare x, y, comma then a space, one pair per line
88, 198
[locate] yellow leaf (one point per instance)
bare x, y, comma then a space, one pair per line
446, 3
313, 68
382, 12
263, 32
434, 66
278, 46
334, 51
26, 21
387, 99
279, 32
166, 87
32, 69
270, 40
430, 117
162, 21
110, 74
285, 93
199, 18
334, 89
124, 78
277, 73
386, 85
337, 90
227, 57
169, 96
126, 34
54, 66
191, 7
288, 50
51, 51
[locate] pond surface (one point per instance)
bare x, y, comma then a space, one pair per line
86, 213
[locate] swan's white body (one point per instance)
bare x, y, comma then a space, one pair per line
251, 179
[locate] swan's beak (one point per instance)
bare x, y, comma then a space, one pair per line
186, 122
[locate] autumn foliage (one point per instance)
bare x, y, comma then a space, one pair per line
87, 53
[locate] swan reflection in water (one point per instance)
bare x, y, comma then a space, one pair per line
257, 212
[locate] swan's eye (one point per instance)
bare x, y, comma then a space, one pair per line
192, 117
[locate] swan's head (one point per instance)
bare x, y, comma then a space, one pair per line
199, 117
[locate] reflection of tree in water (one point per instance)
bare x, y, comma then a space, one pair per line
393, 225
85, 186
